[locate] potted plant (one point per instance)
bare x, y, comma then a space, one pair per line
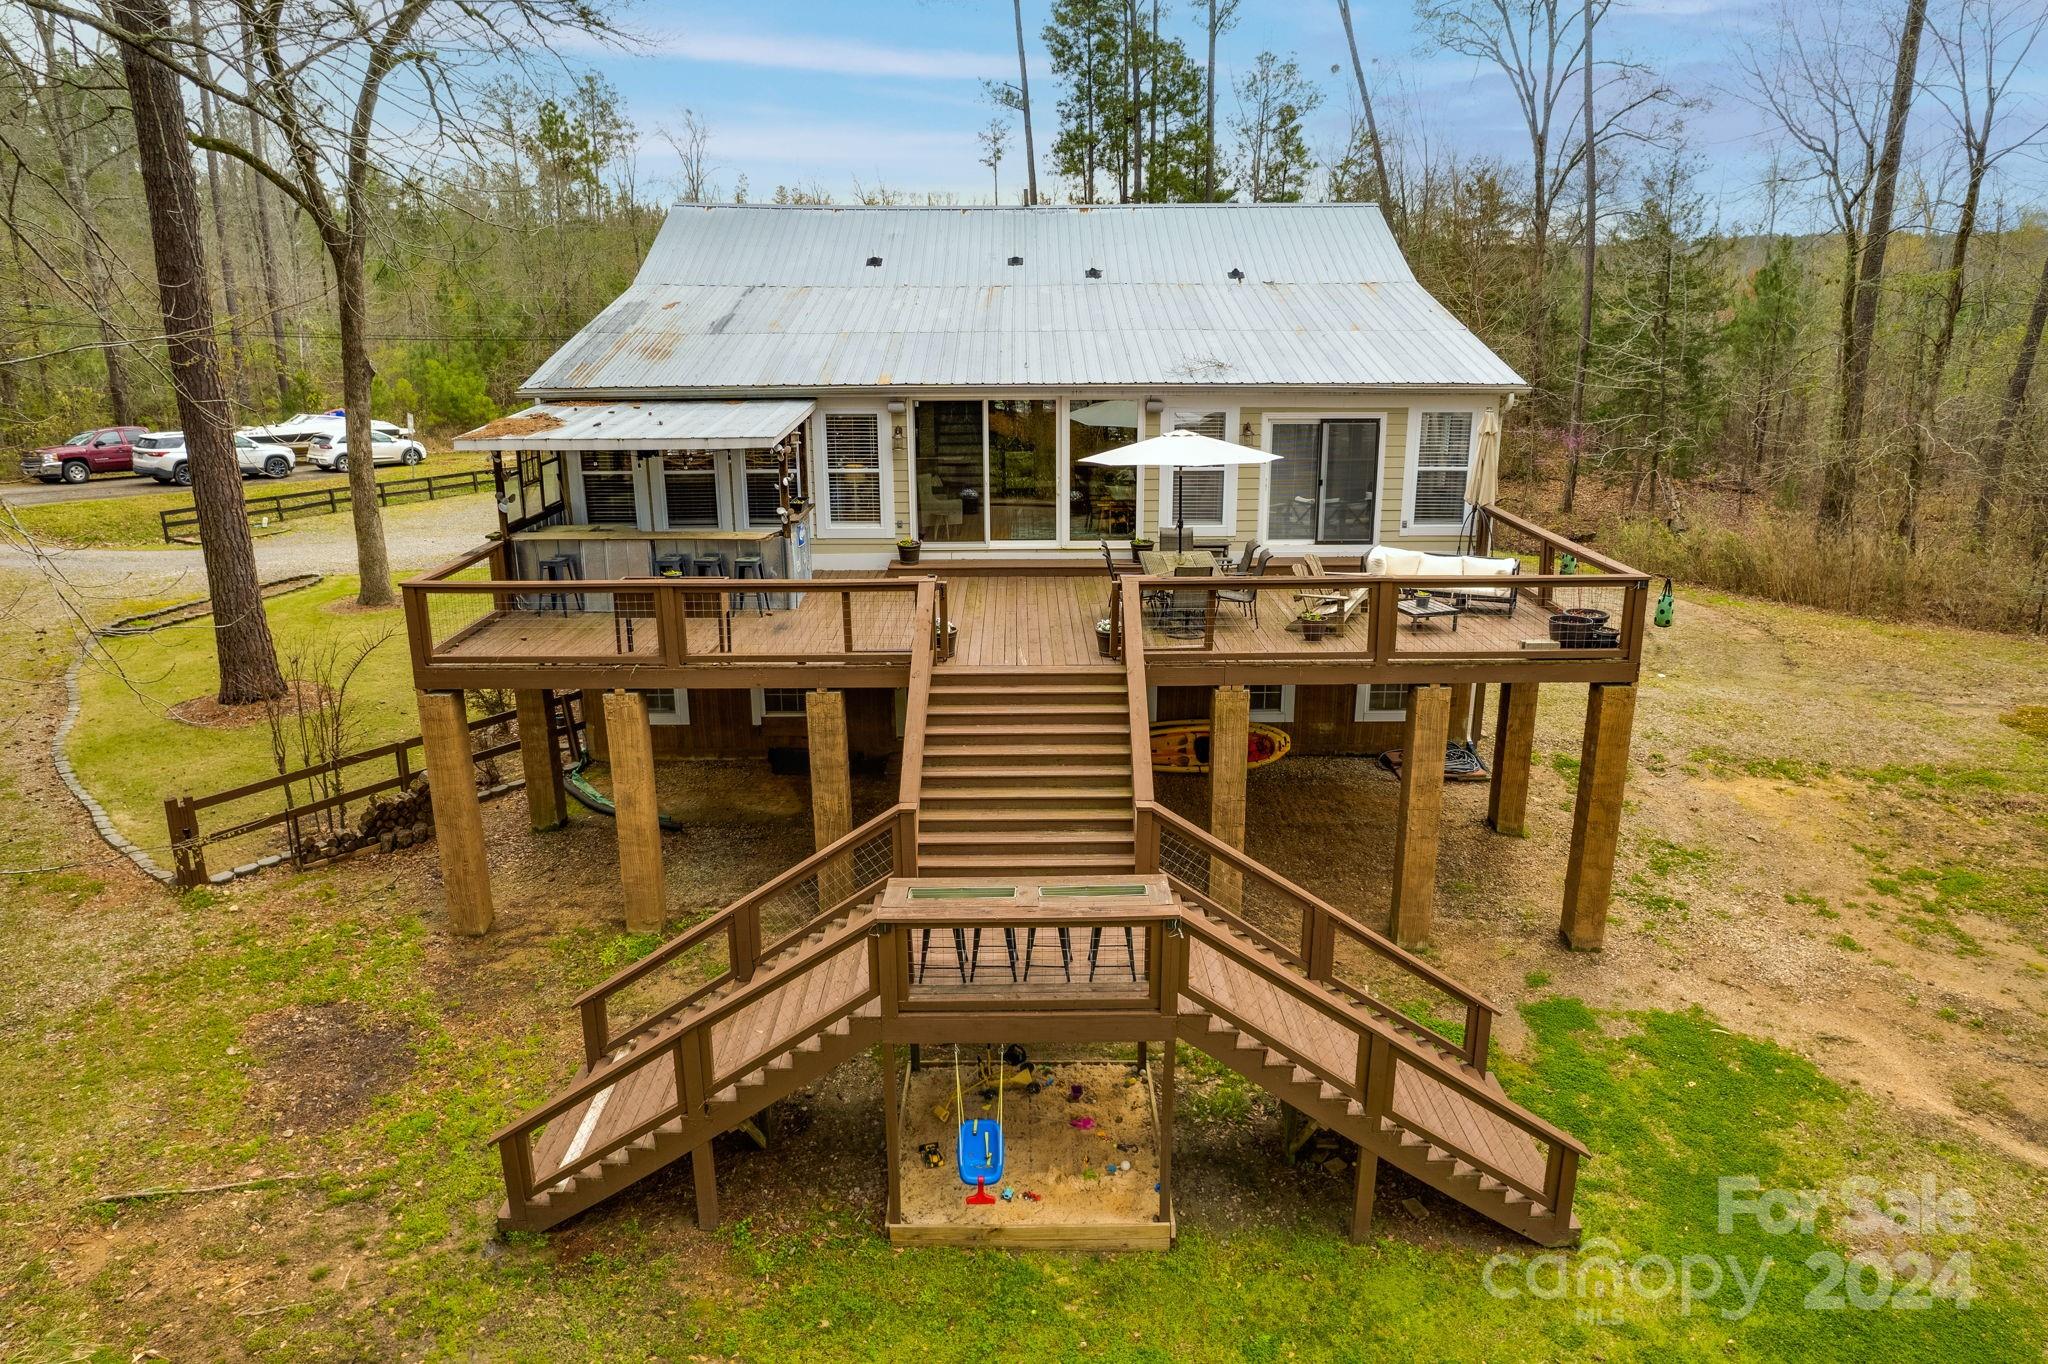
1313, 626
1105, 643
908, 549
1140, 544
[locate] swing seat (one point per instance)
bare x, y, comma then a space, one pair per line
981, 1151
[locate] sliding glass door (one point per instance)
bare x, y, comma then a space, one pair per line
950, 506
1023, 470
1325, 485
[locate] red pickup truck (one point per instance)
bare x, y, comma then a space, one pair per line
105, 451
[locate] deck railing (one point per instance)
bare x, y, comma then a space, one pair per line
1320, 942
468, 614
754, 927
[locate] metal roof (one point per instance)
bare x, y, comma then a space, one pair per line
745, 297
709, 425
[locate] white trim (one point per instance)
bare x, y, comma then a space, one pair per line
679, 716
821, 481
1228, 525
1361, 705
654, 485
757, 705
1409, 526
1283, 714
579, 504
1267, 422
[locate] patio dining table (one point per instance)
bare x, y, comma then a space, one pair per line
1161, 563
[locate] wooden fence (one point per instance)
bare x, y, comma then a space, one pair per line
189, 840
181, 524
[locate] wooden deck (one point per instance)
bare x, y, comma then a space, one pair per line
1037, 621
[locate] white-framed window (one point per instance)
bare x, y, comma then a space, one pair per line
1380, 701
1272, 702
689, 490
854, 472
1209, 495
607, 480
1440, 449
668, 707
778, 703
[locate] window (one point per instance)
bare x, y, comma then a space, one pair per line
1381, 701
1291, 480
778, 703
668, 707
1443, 464
608, 488
853, 470
764, 497
1272, 703
1206, 494
1103, 503
689, 490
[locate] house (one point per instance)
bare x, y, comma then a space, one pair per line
698, 553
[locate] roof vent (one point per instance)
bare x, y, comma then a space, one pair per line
874, 261
1235, 273
1016, 260
1095, 272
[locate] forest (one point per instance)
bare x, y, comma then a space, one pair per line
1826, 401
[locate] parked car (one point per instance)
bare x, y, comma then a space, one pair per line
104, 451
300, 431
331, 452
161, 455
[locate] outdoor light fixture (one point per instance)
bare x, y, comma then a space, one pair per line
1155, 405
895, 404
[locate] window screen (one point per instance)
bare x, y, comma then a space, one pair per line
608, 488
1443, 461
1201, 490
689, 489
853, 468
764, 499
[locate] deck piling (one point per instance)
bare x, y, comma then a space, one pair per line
458, 815
1596, 817
1514, 744
638, 812
541, 760
1230, 718
1421, 814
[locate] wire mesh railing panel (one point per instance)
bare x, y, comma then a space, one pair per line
859, 868
675, 980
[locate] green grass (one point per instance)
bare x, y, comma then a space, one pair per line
131, 754
133, 523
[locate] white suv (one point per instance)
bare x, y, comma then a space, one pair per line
161, 455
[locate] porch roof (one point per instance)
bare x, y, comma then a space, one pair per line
705, 425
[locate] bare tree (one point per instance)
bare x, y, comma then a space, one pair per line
248, 658
692, 146
1222, 17
231, 297
1993, 472
259, 192
1575, 422
1384, 191
995, 142
1538, 45
1024, 106
1984, 46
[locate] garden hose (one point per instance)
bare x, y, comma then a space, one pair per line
591, 798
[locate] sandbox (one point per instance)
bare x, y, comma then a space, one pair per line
1081, 1205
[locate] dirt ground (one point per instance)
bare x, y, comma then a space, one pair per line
1045, 1153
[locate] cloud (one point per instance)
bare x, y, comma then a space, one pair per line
824, 53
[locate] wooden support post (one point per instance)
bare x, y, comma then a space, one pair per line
595, 731
831, 789
704, 1175
1166, 1097
1514, 745
1461, 712
458, 816
541, 759
1596, 818
639, 815
1421, 813
1366, 1177
892, 1122
1230, 720
188, 855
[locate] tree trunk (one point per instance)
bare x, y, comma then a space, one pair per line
2009, 411
1575, 428
1937, 363
1209, 116
98, 285
241, 633
1024, 93
231, 296
1372, 128
353, 294
1838, 485
1133, 33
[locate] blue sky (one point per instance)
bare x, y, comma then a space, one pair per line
803, 91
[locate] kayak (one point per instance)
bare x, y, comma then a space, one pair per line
1183, 745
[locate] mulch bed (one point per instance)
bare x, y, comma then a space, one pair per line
205, 712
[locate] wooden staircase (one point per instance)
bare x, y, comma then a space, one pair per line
1026, 772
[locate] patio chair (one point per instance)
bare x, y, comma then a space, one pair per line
1187, 613
1339, 610
1246, 599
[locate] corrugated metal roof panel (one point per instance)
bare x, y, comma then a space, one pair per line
766, 297
704, 425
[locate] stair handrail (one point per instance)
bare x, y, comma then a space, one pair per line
1320, 923
739, 921
689, 1050
918, 699
1131, 639
1379, 1046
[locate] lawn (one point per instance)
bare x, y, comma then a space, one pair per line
125, 732
133, 523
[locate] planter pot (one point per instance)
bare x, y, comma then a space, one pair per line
908, 553
1137, 549
1105, 642
1314, 630
1582, 627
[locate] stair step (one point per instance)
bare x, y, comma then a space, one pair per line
970, 775
1009, 756
1090, 838
1013, 716
1040, 801
1015, 735
1018, 863
1041, 821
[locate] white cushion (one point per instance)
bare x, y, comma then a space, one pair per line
1442, 566
1478, 567
1388, 562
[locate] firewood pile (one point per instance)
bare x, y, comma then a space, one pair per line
402, 819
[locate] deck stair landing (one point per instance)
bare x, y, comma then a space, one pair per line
1026, 771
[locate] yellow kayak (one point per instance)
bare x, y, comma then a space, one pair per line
1183, 745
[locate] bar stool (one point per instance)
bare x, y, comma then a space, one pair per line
561, 568
1066, 945
708, 563
750, 566
669, 565
1130, 949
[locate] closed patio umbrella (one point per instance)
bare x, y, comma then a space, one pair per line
1178, 450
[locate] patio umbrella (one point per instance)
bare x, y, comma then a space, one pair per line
1486, 460
1178, 450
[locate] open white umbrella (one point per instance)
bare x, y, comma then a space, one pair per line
1178, 450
